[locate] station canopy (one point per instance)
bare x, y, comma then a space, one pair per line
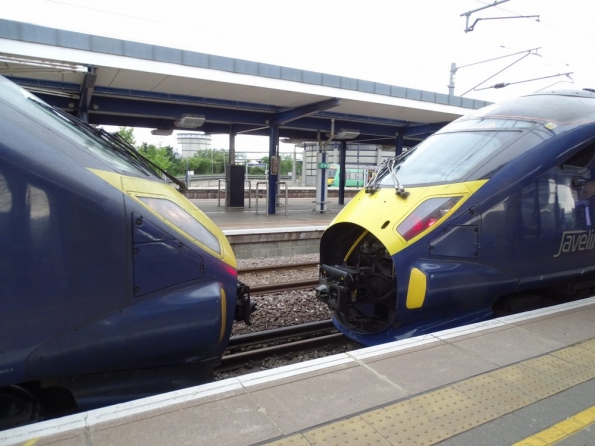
109, 81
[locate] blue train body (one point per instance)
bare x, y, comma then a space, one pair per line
112, 284
493, 214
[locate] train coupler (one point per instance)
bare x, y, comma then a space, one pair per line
244, 308
337, 286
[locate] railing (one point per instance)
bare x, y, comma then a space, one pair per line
219, 191
267, 194
249, 192
258, 183
286, 193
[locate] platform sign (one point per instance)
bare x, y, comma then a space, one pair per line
263, 165
324, 165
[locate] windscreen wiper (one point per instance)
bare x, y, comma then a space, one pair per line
388, 167
118, 144
373, 185
399, 189
117, 140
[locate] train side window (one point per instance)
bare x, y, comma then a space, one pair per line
5, 196
581, 159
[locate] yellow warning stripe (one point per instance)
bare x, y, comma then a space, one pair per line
562, 430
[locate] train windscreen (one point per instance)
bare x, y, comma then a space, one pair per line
71, 129
448, 157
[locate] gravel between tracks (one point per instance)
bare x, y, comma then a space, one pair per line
281, 309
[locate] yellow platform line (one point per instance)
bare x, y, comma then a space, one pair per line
562, 430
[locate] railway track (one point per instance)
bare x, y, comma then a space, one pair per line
280, 345
278, 342
282, 287
266, 269
279, 287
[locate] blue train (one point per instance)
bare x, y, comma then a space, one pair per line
493, 214
113, 285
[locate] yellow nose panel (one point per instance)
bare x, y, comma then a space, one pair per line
416, 293
381, 212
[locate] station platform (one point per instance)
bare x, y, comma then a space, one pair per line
299, 213
294, 229
526, 379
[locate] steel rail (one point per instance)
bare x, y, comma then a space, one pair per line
237, 360
281, 287
276, 334
262, 269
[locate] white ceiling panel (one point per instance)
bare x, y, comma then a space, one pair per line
180, 85
136, 80
220, 90
106, 75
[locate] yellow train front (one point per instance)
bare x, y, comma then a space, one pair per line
491, 214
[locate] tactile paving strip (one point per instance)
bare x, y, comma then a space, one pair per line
587, 345
528, 380
407, 423
559, 373
294, 440
577, 355
496, 395
353, 431
436, 416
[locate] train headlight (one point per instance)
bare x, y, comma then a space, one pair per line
183, 220
425, 215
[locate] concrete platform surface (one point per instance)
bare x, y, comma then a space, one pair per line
525, 378
298, 213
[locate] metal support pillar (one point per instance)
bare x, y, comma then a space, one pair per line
399, 144
86, 93
234, 180
321, 183
273, 152
232, 145
342, 175
294, 168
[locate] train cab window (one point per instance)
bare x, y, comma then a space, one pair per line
72, 130
449, 157
579, 160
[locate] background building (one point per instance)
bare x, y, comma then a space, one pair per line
191, 143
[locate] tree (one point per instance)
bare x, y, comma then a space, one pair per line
158, 155
286, 164
127, 133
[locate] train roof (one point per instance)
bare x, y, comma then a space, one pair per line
584, 93
563, 107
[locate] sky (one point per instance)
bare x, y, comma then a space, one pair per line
408, 43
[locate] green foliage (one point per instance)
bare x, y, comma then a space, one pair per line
204, 162
286, 166
127, 133
164, 157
